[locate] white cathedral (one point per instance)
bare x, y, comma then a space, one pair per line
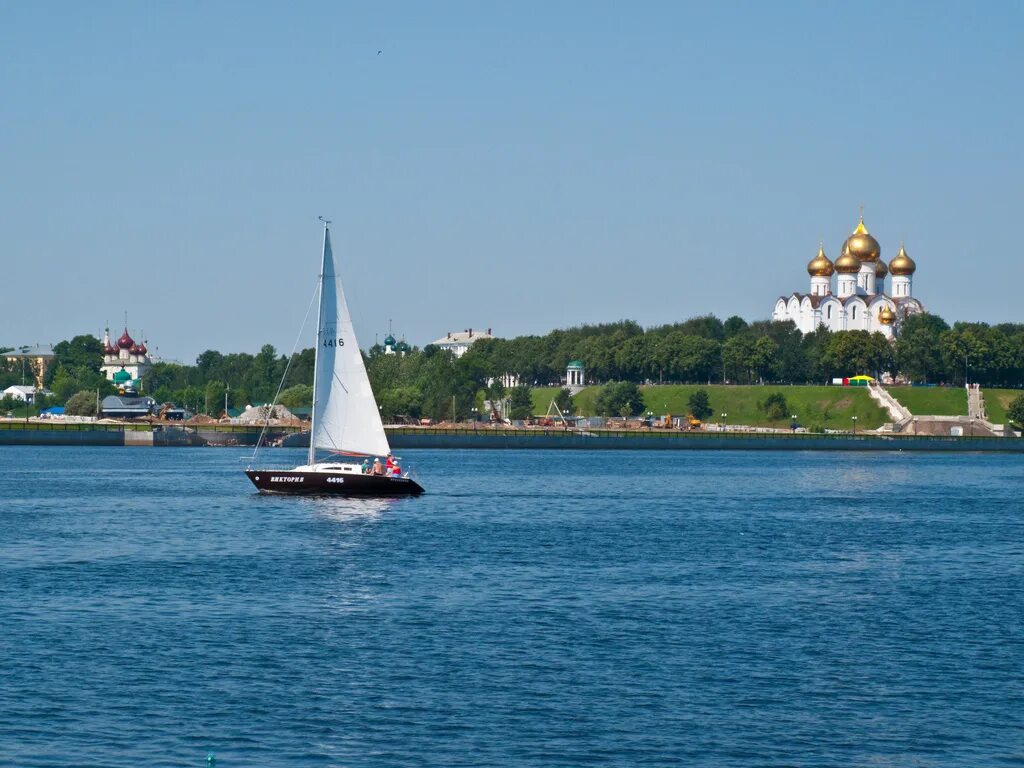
860, 302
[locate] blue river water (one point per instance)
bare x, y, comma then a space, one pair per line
534, 608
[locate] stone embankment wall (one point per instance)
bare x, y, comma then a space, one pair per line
21, 433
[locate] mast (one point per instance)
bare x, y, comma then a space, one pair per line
316, 350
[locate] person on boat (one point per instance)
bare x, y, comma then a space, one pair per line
366, 466
378, 468
390, 463
396, 471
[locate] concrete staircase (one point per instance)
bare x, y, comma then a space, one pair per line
900, 415
974, 424
975, 402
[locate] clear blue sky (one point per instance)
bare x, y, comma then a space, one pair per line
522, 166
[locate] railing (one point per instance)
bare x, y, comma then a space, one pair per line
590, 434
62, 426
58, 426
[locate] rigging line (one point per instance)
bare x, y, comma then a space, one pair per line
287, 368
344, 424
329, 437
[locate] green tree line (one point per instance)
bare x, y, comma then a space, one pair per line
432, 383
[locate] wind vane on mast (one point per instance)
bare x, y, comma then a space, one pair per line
325, 221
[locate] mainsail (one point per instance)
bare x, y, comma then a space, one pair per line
345, 415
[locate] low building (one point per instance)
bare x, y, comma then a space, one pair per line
458, 343
126, 407
25, 393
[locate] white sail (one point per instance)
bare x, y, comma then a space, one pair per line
345, 415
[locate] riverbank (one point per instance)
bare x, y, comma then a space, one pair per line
825, 407
405, 437
142, 435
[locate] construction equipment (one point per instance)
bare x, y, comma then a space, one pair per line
560, 415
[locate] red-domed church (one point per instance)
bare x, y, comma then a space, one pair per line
125, 361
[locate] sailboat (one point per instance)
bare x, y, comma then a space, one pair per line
346, 420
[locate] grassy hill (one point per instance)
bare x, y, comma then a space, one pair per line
997, 401
932, 401
828, 407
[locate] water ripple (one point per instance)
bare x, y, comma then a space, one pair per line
533, 609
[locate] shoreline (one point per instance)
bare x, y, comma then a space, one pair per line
14, 433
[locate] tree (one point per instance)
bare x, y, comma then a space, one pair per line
214, 397
297, 396
700, 404
812, 349
495, 391
63, 385
619, 398
850, 353
737, 355
81, 404
775, 406
707, 326
210, 364
969, 352
521, 402
918, 351
692, 358
83, 350
763, 360
1015, 412
734, 326
400, 401
564, 400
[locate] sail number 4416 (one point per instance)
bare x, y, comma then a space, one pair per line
338, 342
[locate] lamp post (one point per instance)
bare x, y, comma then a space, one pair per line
475, 411
793, 425
725, 417
854, 418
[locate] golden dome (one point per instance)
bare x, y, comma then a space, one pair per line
902, 264
820, 265
862, 244
881, 270
847, 263
886, 316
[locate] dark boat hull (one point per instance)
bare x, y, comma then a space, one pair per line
304, 483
